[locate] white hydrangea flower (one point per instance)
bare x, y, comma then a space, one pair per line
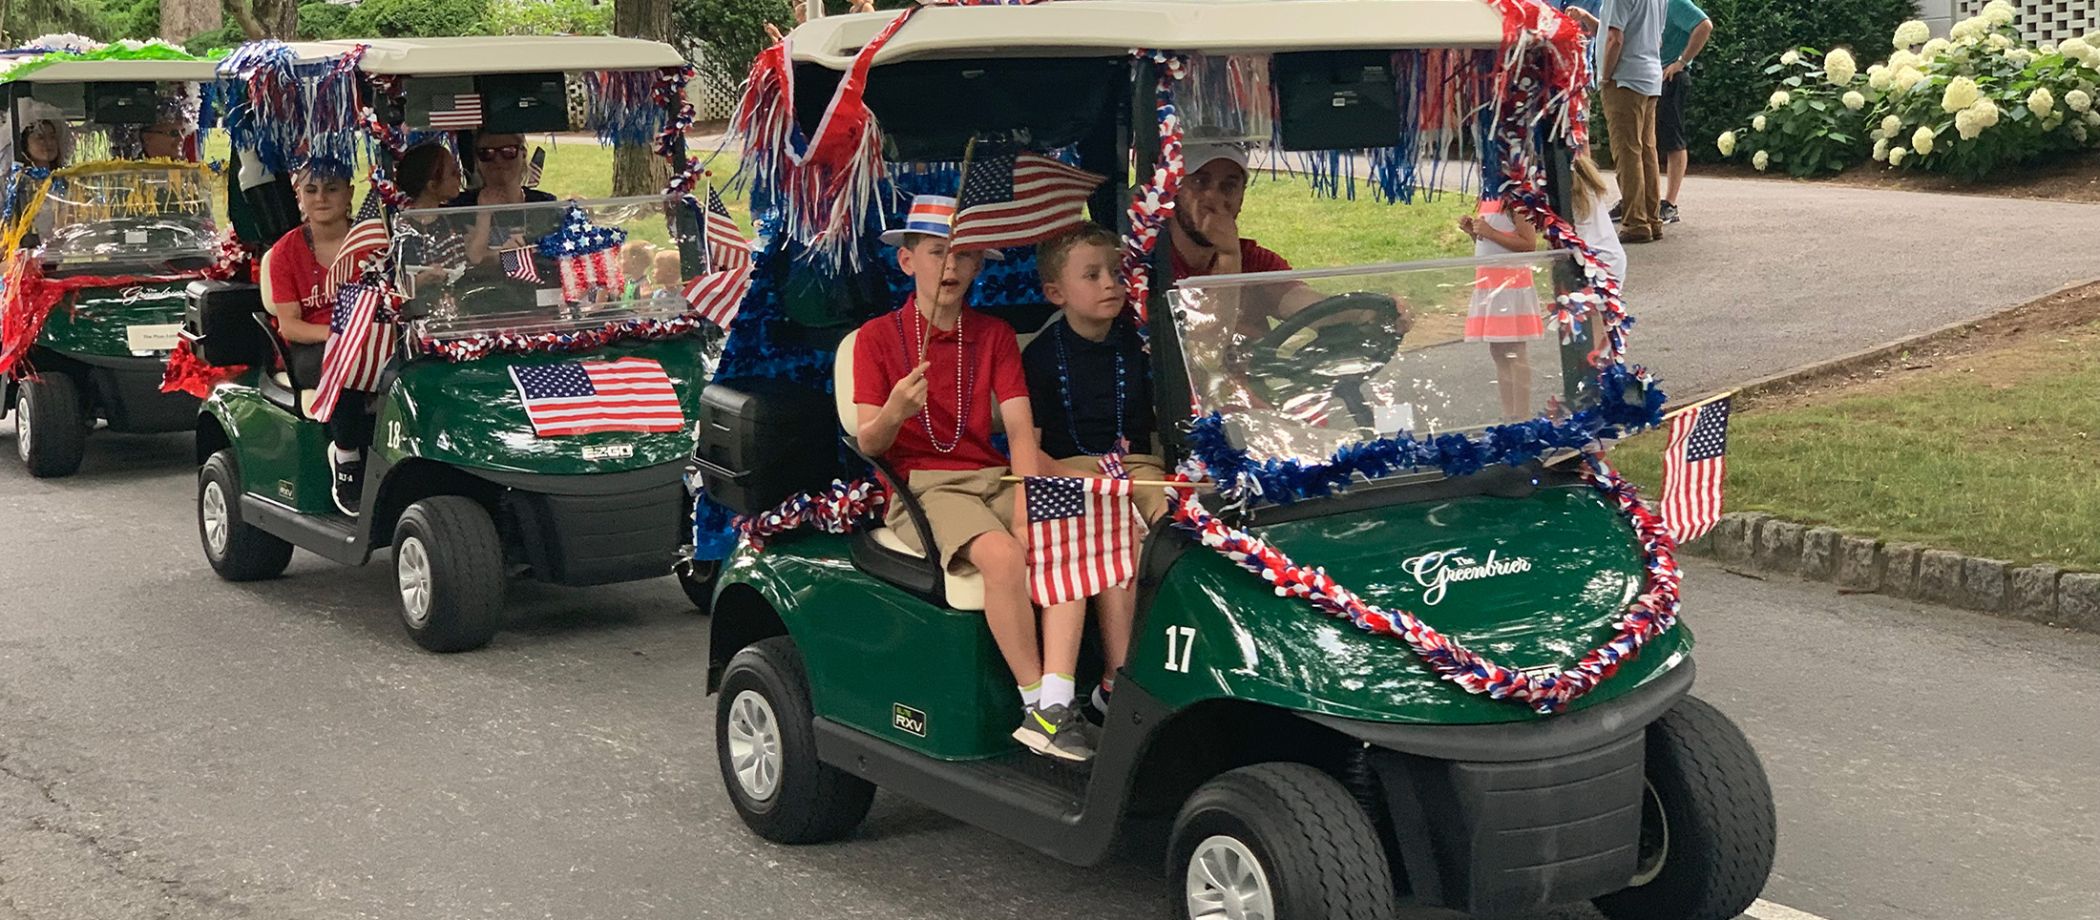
2079, 133
1914, 32
1780, 99
2052, 122
1839, 67
1998, 41
1961, 93
1881, 150
1896, 155
2045, 48
1902, 59
1854, 101
1906, 78
1761, 160
1934, 48
2078, 100
1890, 124
1999, 13
1922, 140
1790, 58
1726, 143
2075, 49
1963, 30
2020, 57
1986, 113
1878, 78
2041, 101
1966, 126
1757, 123
2093, 118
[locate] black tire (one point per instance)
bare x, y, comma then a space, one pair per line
697, 579
448, 547
1720, 830
51, 425
1311, 842
243, 551
809, 801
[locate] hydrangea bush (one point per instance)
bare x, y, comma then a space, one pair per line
1972, 104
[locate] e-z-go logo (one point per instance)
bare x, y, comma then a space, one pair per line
1438, 570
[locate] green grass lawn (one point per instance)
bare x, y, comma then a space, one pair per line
1995, 454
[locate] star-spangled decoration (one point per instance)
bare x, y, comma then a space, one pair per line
578, 236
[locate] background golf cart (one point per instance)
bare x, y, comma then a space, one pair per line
457, 480
1302, 768
110, 243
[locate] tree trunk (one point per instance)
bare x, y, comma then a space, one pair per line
182, 20
638, 170
262, 19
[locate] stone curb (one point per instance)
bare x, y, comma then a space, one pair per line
2036, 593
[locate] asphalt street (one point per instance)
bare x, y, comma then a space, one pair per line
173, 746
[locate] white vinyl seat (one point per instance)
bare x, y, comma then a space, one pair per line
965, 591
306, 397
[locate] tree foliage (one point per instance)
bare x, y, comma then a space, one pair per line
418, 18
549, 17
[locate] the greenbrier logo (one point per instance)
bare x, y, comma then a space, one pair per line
1439, 570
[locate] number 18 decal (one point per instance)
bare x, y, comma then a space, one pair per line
1178, 657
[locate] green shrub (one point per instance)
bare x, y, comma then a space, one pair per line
734, 31
318, 21
1986, 101
1730, 84
549, 17
418, 18
1815, 120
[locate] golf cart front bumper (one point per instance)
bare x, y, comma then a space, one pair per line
1502, 819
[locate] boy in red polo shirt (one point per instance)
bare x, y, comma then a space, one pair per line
926, 380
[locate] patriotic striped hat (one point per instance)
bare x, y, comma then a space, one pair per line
932, 215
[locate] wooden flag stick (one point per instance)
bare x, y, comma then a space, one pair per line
948, 255
1160, 483
1680, 410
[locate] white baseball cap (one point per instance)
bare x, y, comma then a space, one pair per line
1197, 156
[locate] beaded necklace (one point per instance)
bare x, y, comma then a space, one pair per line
965, 375
1064, 391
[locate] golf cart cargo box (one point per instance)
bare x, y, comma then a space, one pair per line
761, 441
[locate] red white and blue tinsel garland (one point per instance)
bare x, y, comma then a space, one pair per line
1652, 613
473, 347
843, 508
1152, 204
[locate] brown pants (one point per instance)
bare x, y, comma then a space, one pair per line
1631, 118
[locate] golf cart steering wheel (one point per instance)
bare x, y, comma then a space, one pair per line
1337, 358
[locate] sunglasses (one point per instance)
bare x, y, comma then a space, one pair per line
489, 154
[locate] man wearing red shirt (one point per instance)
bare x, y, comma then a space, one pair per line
926, 380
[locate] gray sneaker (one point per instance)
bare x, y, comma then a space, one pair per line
1055, 732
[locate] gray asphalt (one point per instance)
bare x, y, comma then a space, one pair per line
172, 746
1766, 275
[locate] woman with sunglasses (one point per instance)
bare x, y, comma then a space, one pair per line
500, 161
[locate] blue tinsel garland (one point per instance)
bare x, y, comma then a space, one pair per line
1629, 404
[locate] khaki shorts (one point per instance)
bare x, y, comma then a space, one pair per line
961, 505
1151, 501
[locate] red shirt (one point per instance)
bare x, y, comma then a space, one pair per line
987, 361
294, 272
1253, 258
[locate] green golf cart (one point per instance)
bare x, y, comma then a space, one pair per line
1304, 746
527, 422
101, 248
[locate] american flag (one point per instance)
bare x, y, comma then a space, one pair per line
535, 167
464, 113
1694, 465
1013, 200
517, 263
365, 242
581, 274
1081, 537
360, 341
579, 397
718, 295
726, 246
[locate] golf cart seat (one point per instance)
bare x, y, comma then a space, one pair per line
879, 550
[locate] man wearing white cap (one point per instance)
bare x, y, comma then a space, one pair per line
1206, 231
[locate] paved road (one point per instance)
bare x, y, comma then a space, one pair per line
1766, 275
172, 746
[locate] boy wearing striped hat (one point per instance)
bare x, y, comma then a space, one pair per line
927, 380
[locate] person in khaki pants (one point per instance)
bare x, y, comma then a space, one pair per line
1633, 83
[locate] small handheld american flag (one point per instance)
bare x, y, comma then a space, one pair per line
1081, 537
1694, 465
727, 249
716, 296
360, 342
517, 263
1020, 199
580, 397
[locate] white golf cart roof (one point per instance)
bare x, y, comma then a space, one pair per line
1087, 28
120, 72
484, 54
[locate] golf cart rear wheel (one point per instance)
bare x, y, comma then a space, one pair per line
766, 742
1276, 840
237, 550
51, 425
1708, 828
448, 567
697, 579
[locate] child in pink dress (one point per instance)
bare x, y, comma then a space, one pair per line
1505, 312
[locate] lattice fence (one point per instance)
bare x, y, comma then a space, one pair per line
2046, 20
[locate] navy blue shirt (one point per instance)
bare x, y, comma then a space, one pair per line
1084, 376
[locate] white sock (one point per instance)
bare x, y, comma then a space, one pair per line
1057, 690
1030, 695
343, 456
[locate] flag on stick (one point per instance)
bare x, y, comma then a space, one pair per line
365, 243
361, 339
718, 295
1020, 199
517, 263
1081, 537
1694, 464
727, 249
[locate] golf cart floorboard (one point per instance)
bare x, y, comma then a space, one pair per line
330, 536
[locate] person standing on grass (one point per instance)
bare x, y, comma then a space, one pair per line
1685, 30
1633, 78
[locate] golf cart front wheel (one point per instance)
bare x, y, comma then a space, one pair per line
448, 567
237, 550
766, 741
1276, 840
1708, 830
51, 425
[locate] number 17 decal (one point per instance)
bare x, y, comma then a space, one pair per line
1185, 638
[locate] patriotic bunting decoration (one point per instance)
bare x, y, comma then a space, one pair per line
1652, 613
1082, 537
589, 255
843, 508
474, 347
1152, 205
1694, 465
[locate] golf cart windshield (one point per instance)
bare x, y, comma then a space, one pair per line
1424, 348
144, 213
545, 266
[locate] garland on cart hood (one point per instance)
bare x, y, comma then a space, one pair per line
474, 347
1652, 613
27, 298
